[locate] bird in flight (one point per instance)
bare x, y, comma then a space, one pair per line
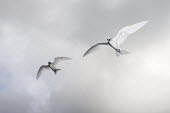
51, 66
116, 42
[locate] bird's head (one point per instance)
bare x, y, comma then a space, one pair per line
49, 63
108, 39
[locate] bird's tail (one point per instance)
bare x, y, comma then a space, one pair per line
122, 52
56, 70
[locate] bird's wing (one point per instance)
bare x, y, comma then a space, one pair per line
59, 59
95, 47
126, 31
52, 66
41, 69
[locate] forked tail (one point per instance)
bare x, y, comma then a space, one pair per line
56, 70
122, 52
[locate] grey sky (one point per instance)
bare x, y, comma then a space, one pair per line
33, 32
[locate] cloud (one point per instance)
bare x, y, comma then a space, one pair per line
34, 32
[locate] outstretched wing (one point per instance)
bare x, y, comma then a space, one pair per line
41, 69
95, 47
59, 59
126, 31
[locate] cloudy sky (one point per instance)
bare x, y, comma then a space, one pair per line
33, 32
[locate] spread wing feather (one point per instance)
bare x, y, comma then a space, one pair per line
41, 69
59, 59
126, 31
95, 47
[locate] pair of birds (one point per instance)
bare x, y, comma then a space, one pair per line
114, 43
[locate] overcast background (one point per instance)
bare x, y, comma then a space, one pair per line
33, 32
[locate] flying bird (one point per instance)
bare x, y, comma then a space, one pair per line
51, 66
116, 42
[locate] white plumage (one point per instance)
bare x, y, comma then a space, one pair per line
116, 42
51, 65
125, 32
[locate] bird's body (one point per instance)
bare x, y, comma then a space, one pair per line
116, 42
51, 66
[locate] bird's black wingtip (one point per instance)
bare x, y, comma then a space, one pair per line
84, 54
68, 58
37, 77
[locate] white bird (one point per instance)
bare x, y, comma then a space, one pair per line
51, 66
116, 42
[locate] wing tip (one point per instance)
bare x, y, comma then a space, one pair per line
145, 22
85, 54
37, 77
69, 58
